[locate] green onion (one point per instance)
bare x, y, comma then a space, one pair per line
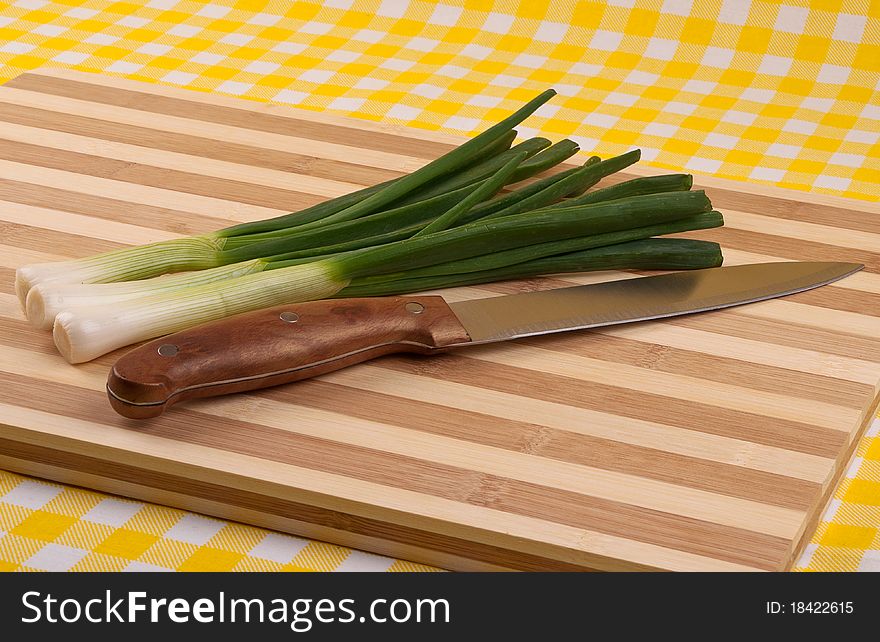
450, 162
634, 187
177, 255
540, 153
516, 255
550, 157
585, 177
322, 210
506, 200
487, 189
375, 229
86, 333
259, 245
383, 227
521, 230
47, 299
646, 254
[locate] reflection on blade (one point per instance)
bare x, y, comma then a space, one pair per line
640, 299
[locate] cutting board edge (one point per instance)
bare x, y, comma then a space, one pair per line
841, 465
297, 527
153, 467
251, 517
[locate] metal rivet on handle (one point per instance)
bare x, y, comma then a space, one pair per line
167, 349
415, 308
289, 317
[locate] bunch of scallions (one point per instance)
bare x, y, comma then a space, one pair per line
446, 224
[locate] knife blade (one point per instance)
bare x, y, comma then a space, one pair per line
292, 342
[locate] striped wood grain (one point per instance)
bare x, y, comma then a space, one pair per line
708, 442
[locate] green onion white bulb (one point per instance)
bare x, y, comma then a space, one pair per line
51, 297
86, 333
127, 264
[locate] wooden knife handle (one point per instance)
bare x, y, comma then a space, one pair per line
275, 346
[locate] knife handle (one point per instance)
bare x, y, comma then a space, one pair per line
274, 346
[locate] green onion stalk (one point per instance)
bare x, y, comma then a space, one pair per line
463, 206
85, 333
645, 254
539, 251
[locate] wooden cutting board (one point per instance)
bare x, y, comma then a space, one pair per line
708, 442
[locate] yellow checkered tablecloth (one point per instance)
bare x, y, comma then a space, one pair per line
786, 93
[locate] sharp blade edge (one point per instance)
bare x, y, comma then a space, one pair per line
640, 299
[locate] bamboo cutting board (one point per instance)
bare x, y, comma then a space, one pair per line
708, 442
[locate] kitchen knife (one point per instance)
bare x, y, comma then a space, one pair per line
297, 341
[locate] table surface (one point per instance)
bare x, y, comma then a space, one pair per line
804, 116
